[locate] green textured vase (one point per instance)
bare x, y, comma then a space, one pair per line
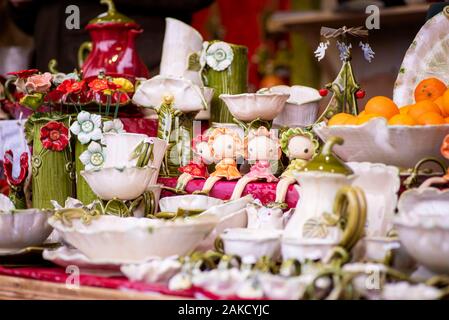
83, 192
53, 171
232, 80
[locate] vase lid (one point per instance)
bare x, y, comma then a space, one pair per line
111, 16
326, 161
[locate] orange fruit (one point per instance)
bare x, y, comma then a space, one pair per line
422, 107
446, 119
367, 117
382, 106
405, 109
446, 102
431, 118
402, 120
361, 113
340, 119
440, 103
430, 89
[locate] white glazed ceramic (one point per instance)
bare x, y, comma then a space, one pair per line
423, 227
376, 142
301, 109
261, 217
306, 249
134, 240
24, 228
119, 147
180, 41
5, 203
187, 96
406, 291
425, 58
381, 184
222, 282
155, 271
65, 256
188, 202
156, 189
124, 184
252, 243
208, 94
376, 248
276, 287
250, 106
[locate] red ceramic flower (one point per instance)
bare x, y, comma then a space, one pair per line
23, 73
8, 167
98, 85
65, 86
54, 136
76, 87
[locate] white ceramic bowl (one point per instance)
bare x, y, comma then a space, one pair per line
24, 228
124, 184
250, 106
302, 250
423, 227
376, 142
301, 109
188, 202
252, 243
134, 240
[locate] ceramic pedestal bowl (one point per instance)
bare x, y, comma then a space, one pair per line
252, 243
301, 109
302, 250
134, 240
376, 142
123, 184
423, 227
250, 106
193, 203
24, 228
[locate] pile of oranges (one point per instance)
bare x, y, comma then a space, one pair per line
431, 108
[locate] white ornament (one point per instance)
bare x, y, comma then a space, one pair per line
87, 127
368, 53
94, 157
219, 56
345, 50
320, 52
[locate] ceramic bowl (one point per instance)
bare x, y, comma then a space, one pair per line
301, 109
407, 291
250, 106
302, 250
381, 184
5, 203
423, 227
376, 142
24, 228
155, 271
123, 184
187, 97
119, 147
252, 243
134, 240
189, 202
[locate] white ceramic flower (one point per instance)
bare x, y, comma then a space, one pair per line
203, 54
93, 157
114, 126
219, 56
59, 77
87, 127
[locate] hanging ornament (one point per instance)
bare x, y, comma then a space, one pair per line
320, 52
345, 50
368, 53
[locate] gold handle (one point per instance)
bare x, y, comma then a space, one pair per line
218, 244
350, 204
83, 51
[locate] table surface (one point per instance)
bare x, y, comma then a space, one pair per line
14, 288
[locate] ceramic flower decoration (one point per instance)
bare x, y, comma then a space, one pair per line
219, 56
39, 83
54, 136
23, 74
87, 127
60, 77
93, 158
114, 126
16, 184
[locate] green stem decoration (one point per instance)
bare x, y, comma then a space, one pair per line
232, 80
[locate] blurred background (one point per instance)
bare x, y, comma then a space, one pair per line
281, 35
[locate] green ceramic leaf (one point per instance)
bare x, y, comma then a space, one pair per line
194, 62
116, 207
314, 228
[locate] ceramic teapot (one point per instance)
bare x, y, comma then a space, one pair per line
330, 209
112, 49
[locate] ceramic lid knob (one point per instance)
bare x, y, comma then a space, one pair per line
326, 161
111, 15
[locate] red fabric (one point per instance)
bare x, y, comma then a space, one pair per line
265, 192
140, 125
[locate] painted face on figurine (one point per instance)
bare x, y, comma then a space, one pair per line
301, 147
225, 146
203, 150
263, 148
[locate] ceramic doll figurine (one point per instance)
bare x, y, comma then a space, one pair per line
300, 147
196, 169
261, 146
226, 146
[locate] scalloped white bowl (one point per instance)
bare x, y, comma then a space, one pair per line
113, 239
124, 184
188, 202
250, 106
375, 141
423, 227
24, 228
306, 249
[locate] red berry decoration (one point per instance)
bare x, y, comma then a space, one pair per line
324, 92
360, 94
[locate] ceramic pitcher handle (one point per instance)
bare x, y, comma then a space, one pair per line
350, 203
7, 87
83, 51
218, 244
412, 179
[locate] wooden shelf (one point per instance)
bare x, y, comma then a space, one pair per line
283, 21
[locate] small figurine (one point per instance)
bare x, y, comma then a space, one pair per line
300, 147
262, 146
196, 169
17, 185
226, 147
